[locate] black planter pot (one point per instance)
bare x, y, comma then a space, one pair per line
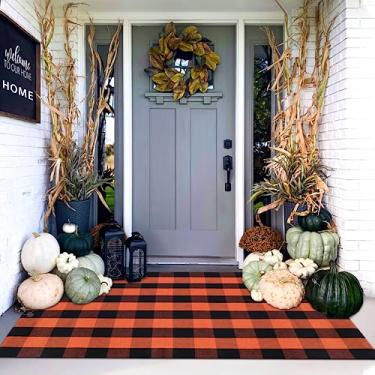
77, 212
288, 208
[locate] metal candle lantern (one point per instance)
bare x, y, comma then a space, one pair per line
112, 249
136, 257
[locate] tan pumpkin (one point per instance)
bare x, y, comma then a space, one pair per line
40, 292
281, 289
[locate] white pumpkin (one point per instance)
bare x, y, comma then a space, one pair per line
93, 262
281, 289
252, 257
272, 257
69, 228
39, 253
106, 284
40, 292
302, 267
66, 262
256, 295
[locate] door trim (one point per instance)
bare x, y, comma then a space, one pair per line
128, 129
237, 19
240, 198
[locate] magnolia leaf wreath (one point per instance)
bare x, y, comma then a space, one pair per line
184, 81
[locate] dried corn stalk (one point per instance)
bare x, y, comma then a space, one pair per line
98, 105
61, 82
296, 172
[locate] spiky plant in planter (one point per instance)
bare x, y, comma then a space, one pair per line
80, 182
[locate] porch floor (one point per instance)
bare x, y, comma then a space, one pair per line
117, 366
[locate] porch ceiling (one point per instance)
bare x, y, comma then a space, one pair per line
188, 6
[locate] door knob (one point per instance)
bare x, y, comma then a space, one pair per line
228, 166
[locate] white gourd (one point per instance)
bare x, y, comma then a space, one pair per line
69, 228
302, 267
40, 292
39, 253
272, 257
93, 262
280, 266
256, 295
66, 262
281, 289
106, 284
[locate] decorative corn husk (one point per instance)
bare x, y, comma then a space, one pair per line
295, 170
61, 82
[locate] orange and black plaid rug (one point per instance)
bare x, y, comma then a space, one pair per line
183, 315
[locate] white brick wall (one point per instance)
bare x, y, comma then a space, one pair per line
23, 164
23, 174
347, 137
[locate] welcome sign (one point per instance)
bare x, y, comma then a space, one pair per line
19, 72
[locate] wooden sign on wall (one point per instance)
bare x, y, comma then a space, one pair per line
19, 72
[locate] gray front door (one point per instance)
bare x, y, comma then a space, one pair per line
179, 200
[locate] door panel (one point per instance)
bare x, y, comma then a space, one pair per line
179, 201
203, 169
162, 169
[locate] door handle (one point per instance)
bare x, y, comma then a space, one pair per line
228, 166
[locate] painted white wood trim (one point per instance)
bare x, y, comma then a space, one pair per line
128, 129
240, 140
140, 18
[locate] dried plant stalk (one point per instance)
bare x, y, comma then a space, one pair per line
99, 105
61, 81
296, 172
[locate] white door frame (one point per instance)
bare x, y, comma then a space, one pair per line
240, 20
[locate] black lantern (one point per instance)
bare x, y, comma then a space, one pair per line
136, 257
112, 250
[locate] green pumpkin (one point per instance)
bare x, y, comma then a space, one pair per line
336, 294
315, 222
82, 285
93, 262
252, 273
320, 247
79, 244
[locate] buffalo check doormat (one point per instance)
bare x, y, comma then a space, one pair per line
183, 315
